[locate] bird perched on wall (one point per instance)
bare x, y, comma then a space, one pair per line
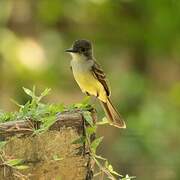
92, 80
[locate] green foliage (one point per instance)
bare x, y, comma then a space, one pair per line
35, 110
15, 163
84, 105
8, 116
88, 118
95, 144
104, 166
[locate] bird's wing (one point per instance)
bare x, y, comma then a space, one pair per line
99, 74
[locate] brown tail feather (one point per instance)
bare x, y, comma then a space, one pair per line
113, 115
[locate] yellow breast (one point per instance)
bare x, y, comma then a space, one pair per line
86, 80
88, 83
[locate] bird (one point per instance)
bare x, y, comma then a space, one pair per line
92, 80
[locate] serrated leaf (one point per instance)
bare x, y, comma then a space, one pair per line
88, 118
13, 162
80, 140
96, 143
21, 167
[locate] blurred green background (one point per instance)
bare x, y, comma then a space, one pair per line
137, 42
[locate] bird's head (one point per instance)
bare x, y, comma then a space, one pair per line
81, 48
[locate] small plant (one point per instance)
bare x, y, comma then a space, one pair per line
104, 167
35, 110
15, 164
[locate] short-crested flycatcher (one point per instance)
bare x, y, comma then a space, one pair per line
92, 80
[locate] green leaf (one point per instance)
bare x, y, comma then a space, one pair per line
96, 143
84, 104
111, 170
48, 121
78, 105
13, 162
7, 116
25, 108
28, 92
21, 167
128, 178
45, 92
114, 172
80, 140
88, 118
55, 108
100, 157
90, 130
71, 107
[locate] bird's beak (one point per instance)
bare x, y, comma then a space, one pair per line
70, 50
